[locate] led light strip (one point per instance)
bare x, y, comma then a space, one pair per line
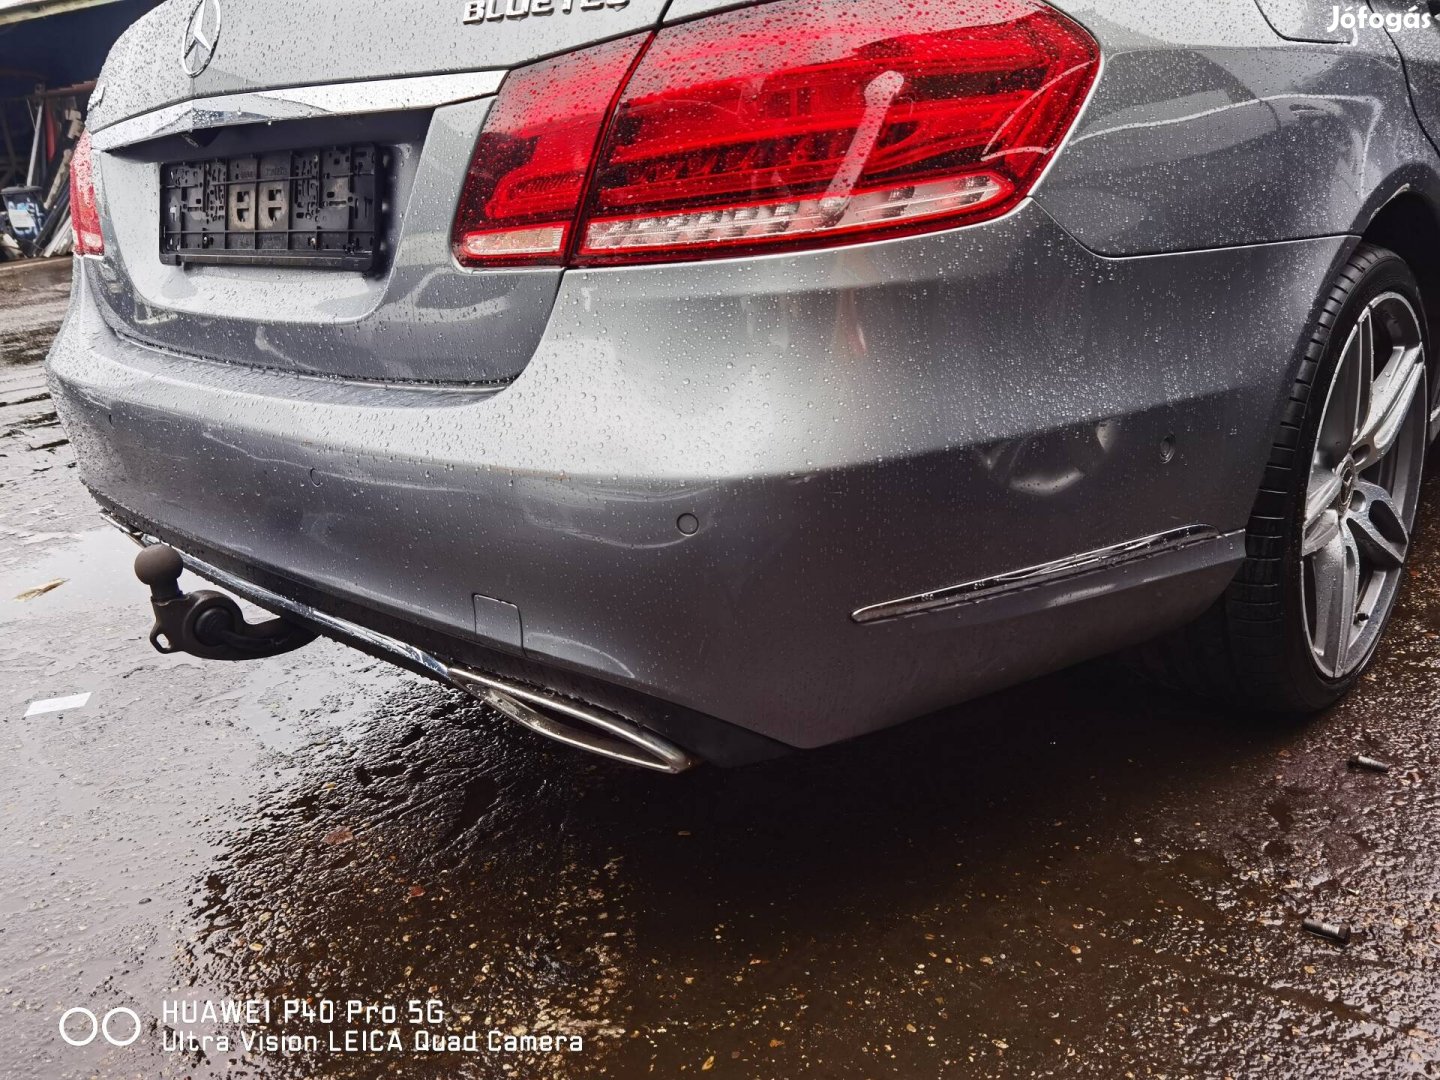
803, 217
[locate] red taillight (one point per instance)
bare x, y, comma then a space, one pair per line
84, 210
527, 176
793, 124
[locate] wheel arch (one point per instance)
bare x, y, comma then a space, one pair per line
1409, 225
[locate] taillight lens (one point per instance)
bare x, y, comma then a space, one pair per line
528, 173
785, 125
84, 209
797, 124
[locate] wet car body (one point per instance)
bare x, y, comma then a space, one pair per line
755, 502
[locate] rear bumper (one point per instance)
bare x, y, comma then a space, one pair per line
844, 428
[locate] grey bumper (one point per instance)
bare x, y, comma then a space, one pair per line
845, 427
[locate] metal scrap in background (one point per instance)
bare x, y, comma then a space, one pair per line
35, 175
51, 52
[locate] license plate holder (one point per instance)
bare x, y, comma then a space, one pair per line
318, 209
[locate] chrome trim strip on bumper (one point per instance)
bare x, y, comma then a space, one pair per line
299, 103
972, 592
611, 736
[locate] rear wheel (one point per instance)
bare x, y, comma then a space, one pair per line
1328, 538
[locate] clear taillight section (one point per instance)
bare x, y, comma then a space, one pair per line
789, 124
84, 208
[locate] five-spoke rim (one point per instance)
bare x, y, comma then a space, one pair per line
1364, 485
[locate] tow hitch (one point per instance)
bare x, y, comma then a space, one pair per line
207, 624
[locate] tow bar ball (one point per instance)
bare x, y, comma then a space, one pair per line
207, 624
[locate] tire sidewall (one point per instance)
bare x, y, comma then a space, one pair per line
1388, 274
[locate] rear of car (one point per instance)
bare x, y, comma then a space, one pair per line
758, 375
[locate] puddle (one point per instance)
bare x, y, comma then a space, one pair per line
96, 566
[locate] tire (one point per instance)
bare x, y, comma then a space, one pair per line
1278, 640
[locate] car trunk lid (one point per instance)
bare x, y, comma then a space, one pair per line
414, 85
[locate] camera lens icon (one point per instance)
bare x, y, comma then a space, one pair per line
83, 1030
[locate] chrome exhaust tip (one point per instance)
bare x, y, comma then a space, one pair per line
575, 725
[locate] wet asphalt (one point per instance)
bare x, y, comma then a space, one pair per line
1081, 877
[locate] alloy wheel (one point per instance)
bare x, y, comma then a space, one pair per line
1364, 485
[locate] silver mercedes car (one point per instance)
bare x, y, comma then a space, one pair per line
694, 380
